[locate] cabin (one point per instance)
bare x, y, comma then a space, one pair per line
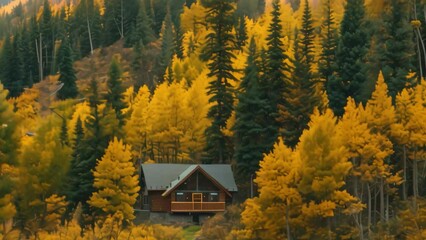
190, 189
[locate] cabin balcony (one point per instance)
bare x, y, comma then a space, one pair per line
198, 206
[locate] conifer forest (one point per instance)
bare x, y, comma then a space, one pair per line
318, 106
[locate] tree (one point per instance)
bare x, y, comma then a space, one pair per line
274, 81
274, 213
115, 181
167, 44
115, 93
325, 165
249, 126
9, 143
329, 36
137, 126
300, 99
67, 72
398, 50
220, 43
143, 31
47, 39
350, 76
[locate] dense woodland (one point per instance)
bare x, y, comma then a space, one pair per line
321, 102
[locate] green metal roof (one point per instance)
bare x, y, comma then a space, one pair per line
162, 176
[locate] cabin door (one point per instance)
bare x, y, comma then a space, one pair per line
197, 201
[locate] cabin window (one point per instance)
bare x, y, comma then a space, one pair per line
214, 197
180, 197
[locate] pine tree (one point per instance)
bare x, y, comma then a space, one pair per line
75, 170
48, 38
67, 72
327, 59
350, 76
398, 52
6, 70
274, 81
300, 99
95, 141
179, 48
241, 32
220, 43
249, 126
116, 183
167, 44
115, 93
143, 32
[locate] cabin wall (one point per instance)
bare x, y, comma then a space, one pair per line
159, 203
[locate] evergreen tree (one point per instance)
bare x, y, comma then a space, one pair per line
73, 184
274, 81
398, 52
95, 141
167, 45
143, 31
220, 43
249, 129
116, 90
327, 59
116, 181
6, 70
300, 97
67, 72
119, 17
47, 39
179, 49
241, 32
350, 77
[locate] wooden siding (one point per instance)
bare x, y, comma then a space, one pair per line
159, 203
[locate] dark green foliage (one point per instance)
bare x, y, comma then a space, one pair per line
179, 41
250, 130
329, 44
75, 170
167, 45
87, 16
143, 32
67, 72
274, 82
119, 17
11, 63
399, 50
241, 32
350, 77
219, 46
300, 99
48, 39
114, 96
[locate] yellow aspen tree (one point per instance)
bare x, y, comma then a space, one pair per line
278, 206
137, 127
324, 167
379, 114
196, 122
116, 184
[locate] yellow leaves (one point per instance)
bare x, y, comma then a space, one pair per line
7, 209
82, 111
115, 181
322, 209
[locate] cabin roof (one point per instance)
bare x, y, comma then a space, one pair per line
162, 176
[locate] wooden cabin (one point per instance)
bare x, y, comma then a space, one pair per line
187, 188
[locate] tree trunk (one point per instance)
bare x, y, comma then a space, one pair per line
382, 200
404, 184
369, 210
90, 35
287, 223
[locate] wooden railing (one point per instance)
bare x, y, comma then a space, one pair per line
198, 206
